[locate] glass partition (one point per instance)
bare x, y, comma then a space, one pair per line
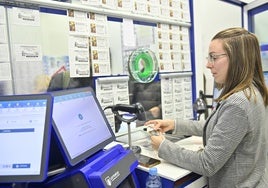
258, 24
42, 43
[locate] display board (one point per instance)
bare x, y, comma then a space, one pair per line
96, 41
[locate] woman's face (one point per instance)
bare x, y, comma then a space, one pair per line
218, 61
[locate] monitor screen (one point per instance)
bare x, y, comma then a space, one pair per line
80, 124
25, 126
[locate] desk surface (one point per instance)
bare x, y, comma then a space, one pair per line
170, 171
166, 169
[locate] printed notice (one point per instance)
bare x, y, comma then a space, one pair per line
28, 52
3, 34
22, 16
78, 27
5, 71
2, 15
128, 33
4, 53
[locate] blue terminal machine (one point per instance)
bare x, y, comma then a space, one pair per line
72, 137
82, 132
114, 167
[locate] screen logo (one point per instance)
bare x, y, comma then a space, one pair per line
80, 116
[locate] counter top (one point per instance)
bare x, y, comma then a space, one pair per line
165, 169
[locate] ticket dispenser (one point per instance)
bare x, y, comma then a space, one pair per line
109, 168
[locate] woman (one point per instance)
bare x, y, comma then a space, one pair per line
235, 134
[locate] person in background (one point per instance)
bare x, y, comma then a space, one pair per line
41, 83
149, 96
235, 133
62, 80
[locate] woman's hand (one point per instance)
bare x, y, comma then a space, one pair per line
157, 140
161, 125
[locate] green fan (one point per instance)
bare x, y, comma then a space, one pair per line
142, 65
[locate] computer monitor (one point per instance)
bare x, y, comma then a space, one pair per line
25, 126
80, 125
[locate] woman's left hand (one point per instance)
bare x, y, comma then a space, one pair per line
157, 140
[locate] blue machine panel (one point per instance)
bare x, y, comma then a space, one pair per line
109, 168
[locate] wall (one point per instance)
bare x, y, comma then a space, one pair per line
210, 16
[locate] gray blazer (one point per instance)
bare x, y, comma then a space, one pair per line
236, 144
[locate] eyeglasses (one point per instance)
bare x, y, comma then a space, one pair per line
213, 57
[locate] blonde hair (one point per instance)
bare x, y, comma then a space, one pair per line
245, 66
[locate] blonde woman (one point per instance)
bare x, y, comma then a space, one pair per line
235, 133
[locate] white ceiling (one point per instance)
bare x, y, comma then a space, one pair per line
246, 1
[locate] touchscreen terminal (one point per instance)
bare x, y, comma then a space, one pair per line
80, 124
25, 125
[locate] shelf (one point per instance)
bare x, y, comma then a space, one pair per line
174, 74
97, 10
